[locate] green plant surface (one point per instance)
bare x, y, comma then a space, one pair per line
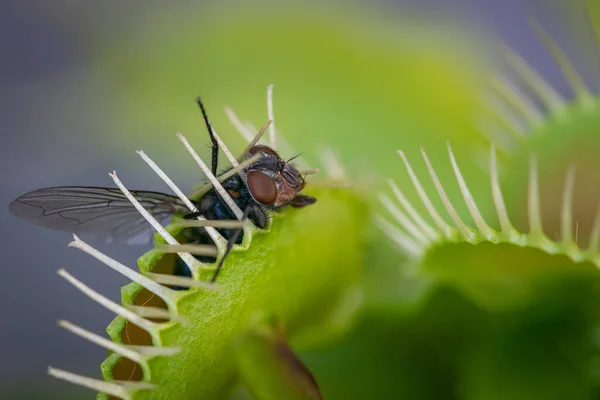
559, 128
270, 369
489, 289
302, 271
449, 347
545, 347
529, 265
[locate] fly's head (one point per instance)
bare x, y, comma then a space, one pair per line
274, 182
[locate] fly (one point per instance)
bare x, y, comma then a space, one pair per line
269, 184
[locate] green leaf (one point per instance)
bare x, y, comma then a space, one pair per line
304, 271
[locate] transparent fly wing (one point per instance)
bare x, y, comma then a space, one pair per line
104, 213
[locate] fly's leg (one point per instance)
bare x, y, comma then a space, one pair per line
215, 145
232, 241
193, 215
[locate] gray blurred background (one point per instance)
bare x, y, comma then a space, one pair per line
54, 119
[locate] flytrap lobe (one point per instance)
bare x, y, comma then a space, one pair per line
520, 114
533, 130
276, 260
529, 115
486, 262
417, 235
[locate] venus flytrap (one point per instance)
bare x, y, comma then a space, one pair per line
535, 117
560, 129
179, 343
524, 111
548, 186
424, 243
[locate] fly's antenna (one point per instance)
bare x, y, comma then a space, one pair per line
215, 145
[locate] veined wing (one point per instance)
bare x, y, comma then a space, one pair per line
104, 212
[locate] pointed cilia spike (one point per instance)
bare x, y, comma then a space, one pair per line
313, 171
447, 230
518, 100
425, 227
213, 180
219, 240
121, 389
404, 241
156, 351
533, 202
566, 220
536, 237
332, 165
152, 312
467, 233
255, 139
190, 261
164, 293
403, 220
506, 117
246, 133
103, 342
503, 218
547, 94
593, 13
271, 115
497, 134
129, 315
483, 227
223, 146
283, 147
595, 235
223, 177
218, 223
182, 281
196, 249
578, 86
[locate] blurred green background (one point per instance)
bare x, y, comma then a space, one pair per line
85, 84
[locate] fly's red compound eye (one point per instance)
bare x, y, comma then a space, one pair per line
262, 187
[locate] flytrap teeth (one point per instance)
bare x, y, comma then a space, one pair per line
416, 236
164, 293
513, 99
121, 389
219, 223
581, 91
401, 239
270, 113
139, 354
191, 262
549, 96
226, 175
333, 166
196, 249
154, 312
146, 317
255, 139
518, 100
213, 180
276, 141
148, 326
182, 281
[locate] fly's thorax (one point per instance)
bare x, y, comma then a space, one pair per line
212, 206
